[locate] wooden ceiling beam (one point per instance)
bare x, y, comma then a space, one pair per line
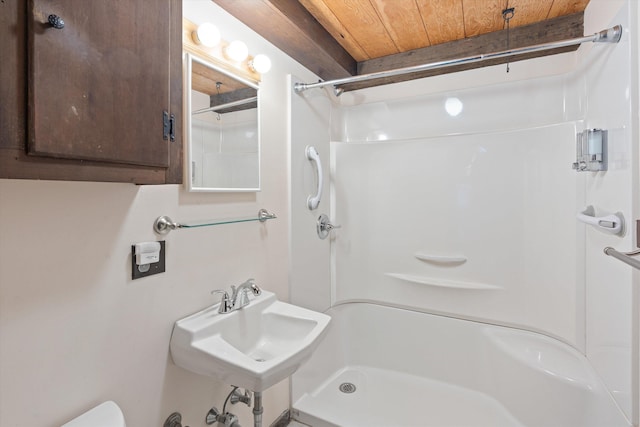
556, 29
292, 29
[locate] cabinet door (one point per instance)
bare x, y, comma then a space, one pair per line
98, 88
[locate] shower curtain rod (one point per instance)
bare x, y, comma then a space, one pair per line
610, 35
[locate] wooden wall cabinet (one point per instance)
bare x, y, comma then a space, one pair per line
91, 101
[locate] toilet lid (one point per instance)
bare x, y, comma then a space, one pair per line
107, 414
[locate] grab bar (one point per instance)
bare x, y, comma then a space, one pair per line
312, 155
610, 224
624, 256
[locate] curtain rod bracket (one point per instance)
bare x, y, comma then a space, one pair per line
610, 35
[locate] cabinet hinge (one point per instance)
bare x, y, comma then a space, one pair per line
172, 135
168, 126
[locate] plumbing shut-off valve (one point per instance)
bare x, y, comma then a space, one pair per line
227, 419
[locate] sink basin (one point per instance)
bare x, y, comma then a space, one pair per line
254, 347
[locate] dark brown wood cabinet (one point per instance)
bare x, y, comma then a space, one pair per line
96, 100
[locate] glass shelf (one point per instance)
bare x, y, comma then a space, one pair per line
164, 224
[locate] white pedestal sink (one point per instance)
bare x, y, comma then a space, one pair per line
254, 347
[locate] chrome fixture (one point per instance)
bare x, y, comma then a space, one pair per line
236, 397
610, 35
239, 296
347, 388
591, 151
624, 256
225, 302
174, 420
242, 292
324, 226
164, 224
225, 418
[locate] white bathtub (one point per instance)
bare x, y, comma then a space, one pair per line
417, 369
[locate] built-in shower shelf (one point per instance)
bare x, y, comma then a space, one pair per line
441, 259
440, 283
164, 224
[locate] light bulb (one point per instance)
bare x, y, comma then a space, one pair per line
260, 63
207, 35
237, 51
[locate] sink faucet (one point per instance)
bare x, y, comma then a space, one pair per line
239, 296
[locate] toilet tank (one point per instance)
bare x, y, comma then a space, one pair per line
107, 414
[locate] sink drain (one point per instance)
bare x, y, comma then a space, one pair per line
347, 387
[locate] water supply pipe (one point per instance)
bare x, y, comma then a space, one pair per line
257, 409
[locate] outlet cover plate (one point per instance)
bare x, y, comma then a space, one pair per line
154, 268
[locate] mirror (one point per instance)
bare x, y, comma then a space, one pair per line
222, 129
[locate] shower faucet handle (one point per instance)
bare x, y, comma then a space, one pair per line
324, 226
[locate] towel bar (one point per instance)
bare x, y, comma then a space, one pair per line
164, 224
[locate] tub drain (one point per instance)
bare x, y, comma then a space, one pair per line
347, 387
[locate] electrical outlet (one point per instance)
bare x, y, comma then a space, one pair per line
138, 271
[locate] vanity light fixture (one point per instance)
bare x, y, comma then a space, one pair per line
206, 34
260, 63
206, 41
237, 51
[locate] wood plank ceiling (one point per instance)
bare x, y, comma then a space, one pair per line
338, 38
370, 29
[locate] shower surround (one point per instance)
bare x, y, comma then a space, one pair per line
460, 271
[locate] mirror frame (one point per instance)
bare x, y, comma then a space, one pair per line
189, 58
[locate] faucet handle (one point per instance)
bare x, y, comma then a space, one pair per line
225, 303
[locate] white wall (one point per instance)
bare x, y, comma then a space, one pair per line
75, 330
